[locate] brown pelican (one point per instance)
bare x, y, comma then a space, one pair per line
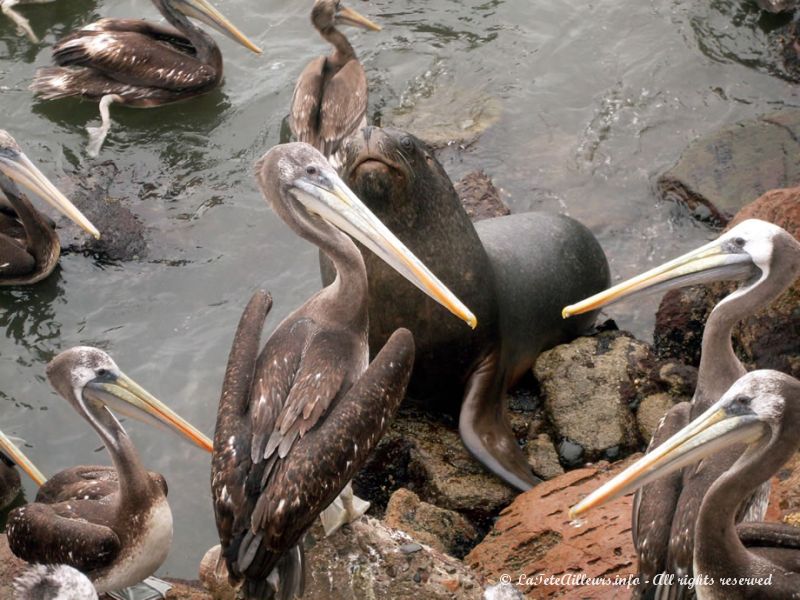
7, 6
761, 411
10, 483
330, 98
296, 421
29, 248
53, 582
767, 258
115, 534
139, 63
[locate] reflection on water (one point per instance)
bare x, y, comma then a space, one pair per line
579, 107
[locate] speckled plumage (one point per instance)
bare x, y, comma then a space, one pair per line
53, 582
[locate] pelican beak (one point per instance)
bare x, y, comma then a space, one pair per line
125, 396
203, 11
722, 425
348, 16
715, 261
8, 448
18, 167
330, 198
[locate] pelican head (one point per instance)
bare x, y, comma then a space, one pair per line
306, 192
754, 411
93, 383
10, 450
204, 11
751, 251
17, 169
329, 13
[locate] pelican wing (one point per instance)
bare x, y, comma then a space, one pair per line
322, 462
306, 102
86, 482
134, 58
344, 106
61, 534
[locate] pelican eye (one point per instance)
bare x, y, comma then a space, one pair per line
741, 403
739, 242
311, 170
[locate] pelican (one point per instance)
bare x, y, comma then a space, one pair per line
139, 63
10, 483
767, 259
297, 421
29, 248
116, 529
762, 412
330, 98
23, 25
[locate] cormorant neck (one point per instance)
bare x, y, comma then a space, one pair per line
342, 50
207, 50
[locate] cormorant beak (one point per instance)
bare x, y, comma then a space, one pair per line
8, 448
329, 197
722, 425
124, 396
18, 167
348, 16
714, 261
203, 11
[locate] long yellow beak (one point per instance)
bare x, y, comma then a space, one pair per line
715, 429
18, 167
711, 262
15, 454
351, 17
138, 403
204, 11
339, 206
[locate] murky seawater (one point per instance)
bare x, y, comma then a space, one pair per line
586, 103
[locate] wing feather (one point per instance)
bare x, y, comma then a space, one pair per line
344, 106
306, 102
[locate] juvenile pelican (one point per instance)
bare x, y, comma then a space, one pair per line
330, 98
139, 63
767, 259
762, 412
297, 420
116, 535
29, 248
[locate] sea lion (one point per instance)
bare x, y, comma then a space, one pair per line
514, 272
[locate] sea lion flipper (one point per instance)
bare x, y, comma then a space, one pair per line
485, 429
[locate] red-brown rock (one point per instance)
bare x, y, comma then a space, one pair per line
533, 536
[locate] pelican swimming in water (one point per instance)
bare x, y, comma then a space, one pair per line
767, 259
762, 412
330, 98
10, 484
23, 25
29, 248
115, 526
297, 420
139, 63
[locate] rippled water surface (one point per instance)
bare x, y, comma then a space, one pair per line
582, 105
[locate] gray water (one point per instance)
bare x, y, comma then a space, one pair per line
585, 102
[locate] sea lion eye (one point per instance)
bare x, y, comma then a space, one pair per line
407, 143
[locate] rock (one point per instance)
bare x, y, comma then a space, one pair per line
651, 410
366, 559
534, 536
444, 530
427, 457
717, 174
784, 501
122, 236
765, 340
776, 6
789, 42
543, 458
502, 591
480, 197
590, 388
